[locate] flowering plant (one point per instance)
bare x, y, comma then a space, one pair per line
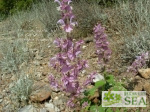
102, 45
69, 64
139, 62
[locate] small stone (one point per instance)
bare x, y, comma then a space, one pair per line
41, 92
138, 77
84, 46
56, 98
58, 101
57, 109
51, 107
147, 87
83, 73
43, 110
98, 77
1, 100
138, 87
145, 73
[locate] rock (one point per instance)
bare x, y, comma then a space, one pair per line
51, 107
28, 108
1, 100
138, 87
58, 101
43, 110
145, 73
41, 92
147, 87
98, 77
84, 46
138, 78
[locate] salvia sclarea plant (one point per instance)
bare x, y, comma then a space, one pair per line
139, 63
67, 62
102, 45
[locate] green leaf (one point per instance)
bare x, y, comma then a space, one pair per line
92, 91
118, 87
110, 79
85, 99
109, 110
117, 110
100, 83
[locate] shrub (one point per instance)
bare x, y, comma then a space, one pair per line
14, 54
131, 17
47, 13
22, 88
134, 46
10, 6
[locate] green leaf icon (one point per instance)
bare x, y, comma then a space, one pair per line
118, 97
108, 96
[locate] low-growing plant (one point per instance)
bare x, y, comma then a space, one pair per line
22, 23
22, 88
14, 53
131, 17
108, 84
47, 13
134, 46
11, 6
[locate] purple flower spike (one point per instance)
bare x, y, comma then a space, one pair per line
102, 45
69, 64
66, 21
